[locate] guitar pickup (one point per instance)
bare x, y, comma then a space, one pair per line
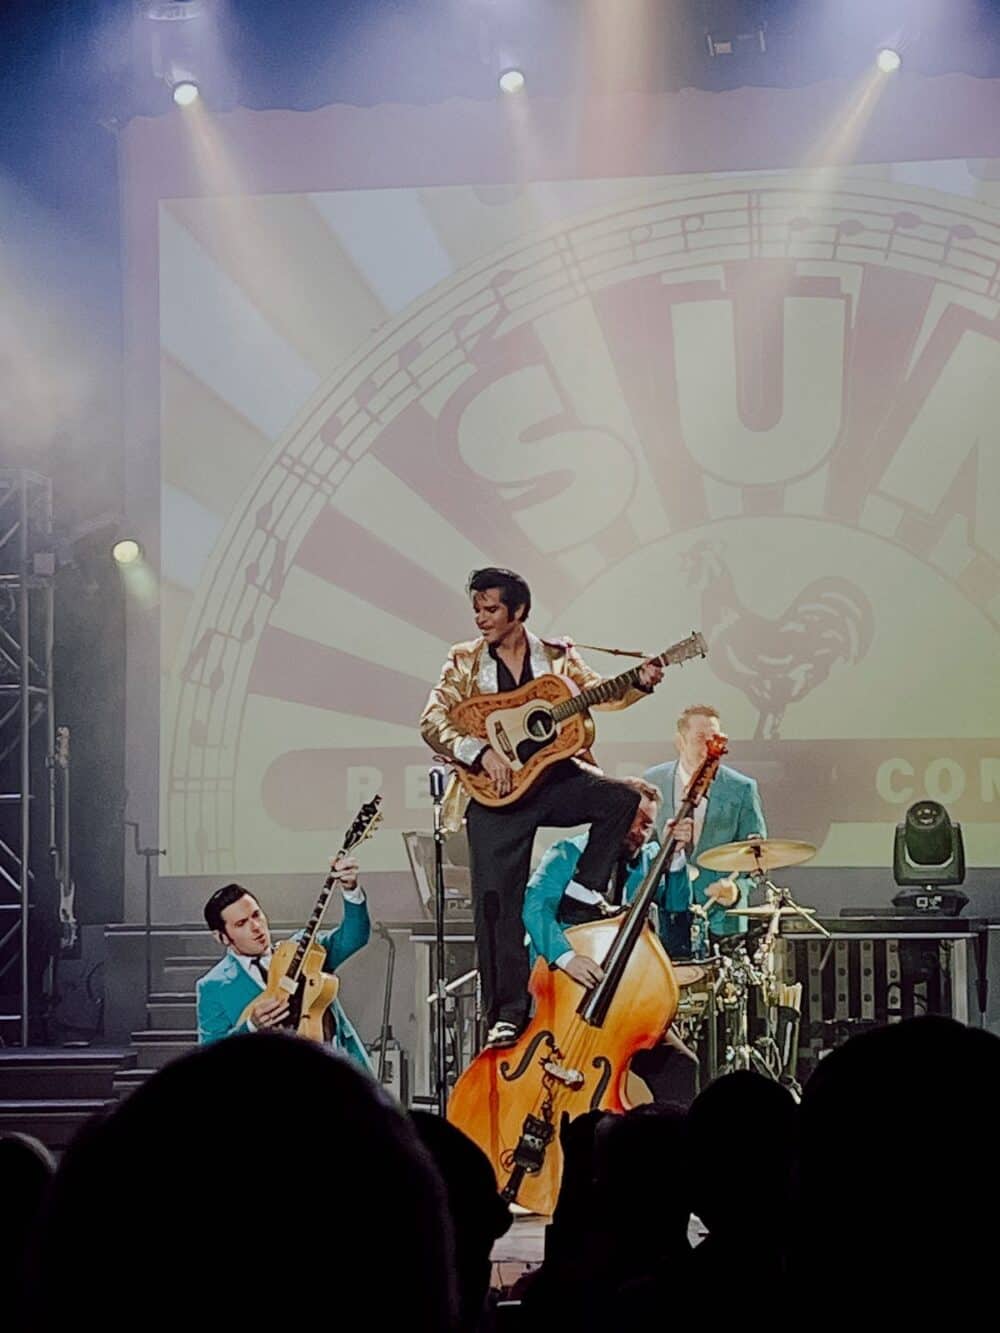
505, 745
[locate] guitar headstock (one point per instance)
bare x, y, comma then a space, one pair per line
693, 646
716, 747
365, 823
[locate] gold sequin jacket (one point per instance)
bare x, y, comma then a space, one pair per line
471, 670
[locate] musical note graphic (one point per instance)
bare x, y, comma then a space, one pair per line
960, 232
900, 222
267, 571
198, 659
691, 223
848, 227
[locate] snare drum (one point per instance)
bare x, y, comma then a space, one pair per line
688, 972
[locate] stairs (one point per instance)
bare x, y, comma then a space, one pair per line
171, 1023
179, 956
50, 1091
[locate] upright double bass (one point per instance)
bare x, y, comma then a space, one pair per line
575, 1052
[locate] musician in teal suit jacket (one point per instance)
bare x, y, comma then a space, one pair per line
238, 921
554, 900
731, 814
550, 902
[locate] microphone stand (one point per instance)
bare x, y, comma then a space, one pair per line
149, 853
436, 778
382, 929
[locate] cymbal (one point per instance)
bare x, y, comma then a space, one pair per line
774, 854
763, 913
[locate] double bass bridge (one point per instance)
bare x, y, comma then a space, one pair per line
564, 1074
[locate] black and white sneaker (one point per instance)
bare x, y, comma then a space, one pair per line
502, 1034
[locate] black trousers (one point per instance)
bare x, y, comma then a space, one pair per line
500, 843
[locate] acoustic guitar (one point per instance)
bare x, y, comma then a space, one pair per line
544, 721
296, 973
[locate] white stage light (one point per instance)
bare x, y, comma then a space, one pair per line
185, 92
127, 551
511, 81
888, 60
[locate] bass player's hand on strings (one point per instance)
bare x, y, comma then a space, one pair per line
497, 770
583, 969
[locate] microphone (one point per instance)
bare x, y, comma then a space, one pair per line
436, 778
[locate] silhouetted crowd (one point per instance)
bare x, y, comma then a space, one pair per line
265, 1183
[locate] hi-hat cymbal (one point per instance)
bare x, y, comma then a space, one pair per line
765, 912
773, 854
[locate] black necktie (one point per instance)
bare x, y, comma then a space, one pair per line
619, 876
261, 967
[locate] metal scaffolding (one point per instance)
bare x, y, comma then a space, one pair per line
27, 731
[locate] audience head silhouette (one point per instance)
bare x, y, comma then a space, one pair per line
479, 1216
253, 1177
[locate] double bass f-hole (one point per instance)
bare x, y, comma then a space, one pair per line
604, 1065
528, 1057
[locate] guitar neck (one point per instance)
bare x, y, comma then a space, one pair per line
613, 687
594, 1006
313, 924
605, 691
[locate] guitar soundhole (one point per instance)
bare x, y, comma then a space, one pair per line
539, 724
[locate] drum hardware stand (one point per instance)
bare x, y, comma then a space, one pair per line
779, 1039
455, 1008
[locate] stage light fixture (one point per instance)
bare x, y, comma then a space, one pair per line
185, 92
929, 852
511, 81
732, 42
888, 60
127, 551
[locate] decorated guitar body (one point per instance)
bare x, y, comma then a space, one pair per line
543, 722
524, 732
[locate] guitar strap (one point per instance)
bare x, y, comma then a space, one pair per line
613, 652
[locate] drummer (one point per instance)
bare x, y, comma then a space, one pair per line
731, 813
553, 901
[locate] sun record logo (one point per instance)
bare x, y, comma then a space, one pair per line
764, 412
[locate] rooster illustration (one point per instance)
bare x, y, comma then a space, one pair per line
777, 662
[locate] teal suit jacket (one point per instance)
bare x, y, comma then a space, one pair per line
733, 813
225, 991
554, 872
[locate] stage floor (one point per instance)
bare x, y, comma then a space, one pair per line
523, 1248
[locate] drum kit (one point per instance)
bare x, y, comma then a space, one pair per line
717, 990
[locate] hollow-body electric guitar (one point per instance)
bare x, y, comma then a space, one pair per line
544, 721
296, 974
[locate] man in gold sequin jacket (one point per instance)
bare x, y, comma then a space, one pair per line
572, 792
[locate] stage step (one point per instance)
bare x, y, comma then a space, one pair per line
63, 1073
130, 1079
50, 1091
53, 1120
172, 1009
156, 1047
180, 973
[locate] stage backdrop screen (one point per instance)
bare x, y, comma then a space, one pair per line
764, 406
